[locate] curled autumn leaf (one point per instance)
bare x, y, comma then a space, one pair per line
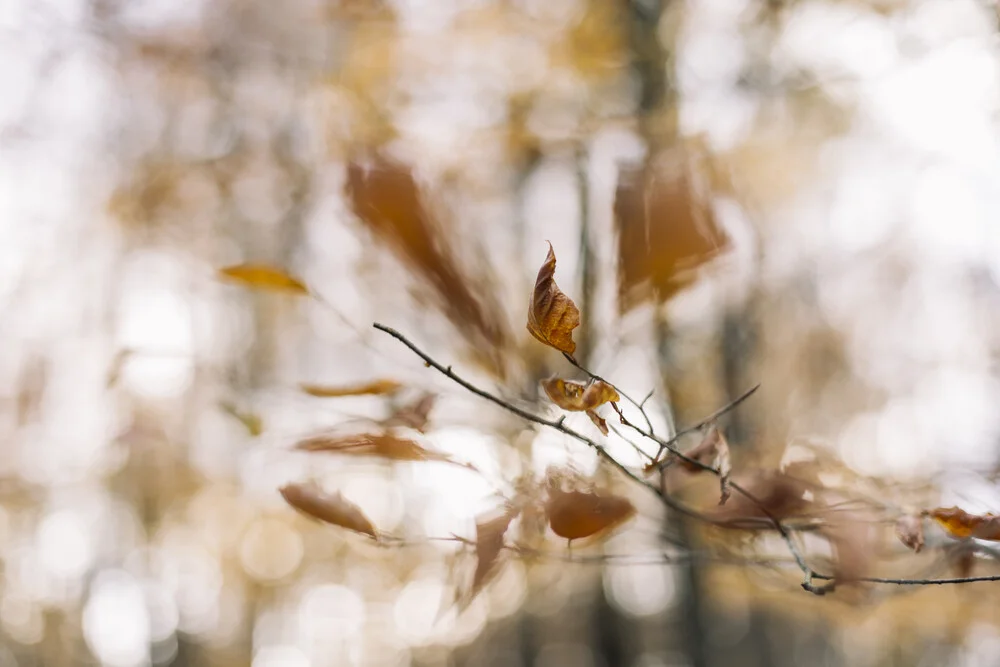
379, 445
490, 531
910, 531
261, 276
576, 514
374, 388
579, 397
961, 524
552, 315
328, 508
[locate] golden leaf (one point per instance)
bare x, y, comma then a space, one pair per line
490, 530
575, 515
578, 397
910, 531
380, 445
374, 388
552, 315
329, 508
261, 276
961, 524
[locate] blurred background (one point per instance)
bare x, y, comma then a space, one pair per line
791, 192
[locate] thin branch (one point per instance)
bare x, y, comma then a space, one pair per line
558, 424
809, 574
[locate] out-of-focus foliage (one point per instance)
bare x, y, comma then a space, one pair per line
796, 193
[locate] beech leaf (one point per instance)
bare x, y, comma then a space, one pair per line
552, 315
380, 445
575, 515
961, 524
490, 530
328, 508
261, 276
910, 531
598, 421
579, 397
374, 388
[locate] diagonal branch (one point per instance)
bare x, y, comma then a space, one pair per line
809, 574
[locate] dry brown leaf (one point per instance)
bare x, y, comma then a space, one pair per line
387, 200
413, 415
598, 421
852, 541
329, 508
261, 276
579, 397
380, 445
780, 495
552, 315
575, 515
910, 531
490, 532
374, 388
666, 226
961, 524
713, 450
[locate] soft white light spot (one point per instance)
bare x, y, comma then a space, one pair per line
280, 656
116, 621
640, 591
270, 549
64, 544
330, 612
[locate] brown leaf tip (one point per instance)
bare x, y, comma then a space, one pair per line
552, 315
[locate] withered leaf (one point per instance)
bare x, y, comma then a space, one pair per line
575, 515
329, 508
579, 397
713, 450
910, 531
413, 415
552, 315
851, 539
261, 276
389, 202
666, 226
374, 388
774, 493
380, 445
598, 421
961, 524
490, 530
